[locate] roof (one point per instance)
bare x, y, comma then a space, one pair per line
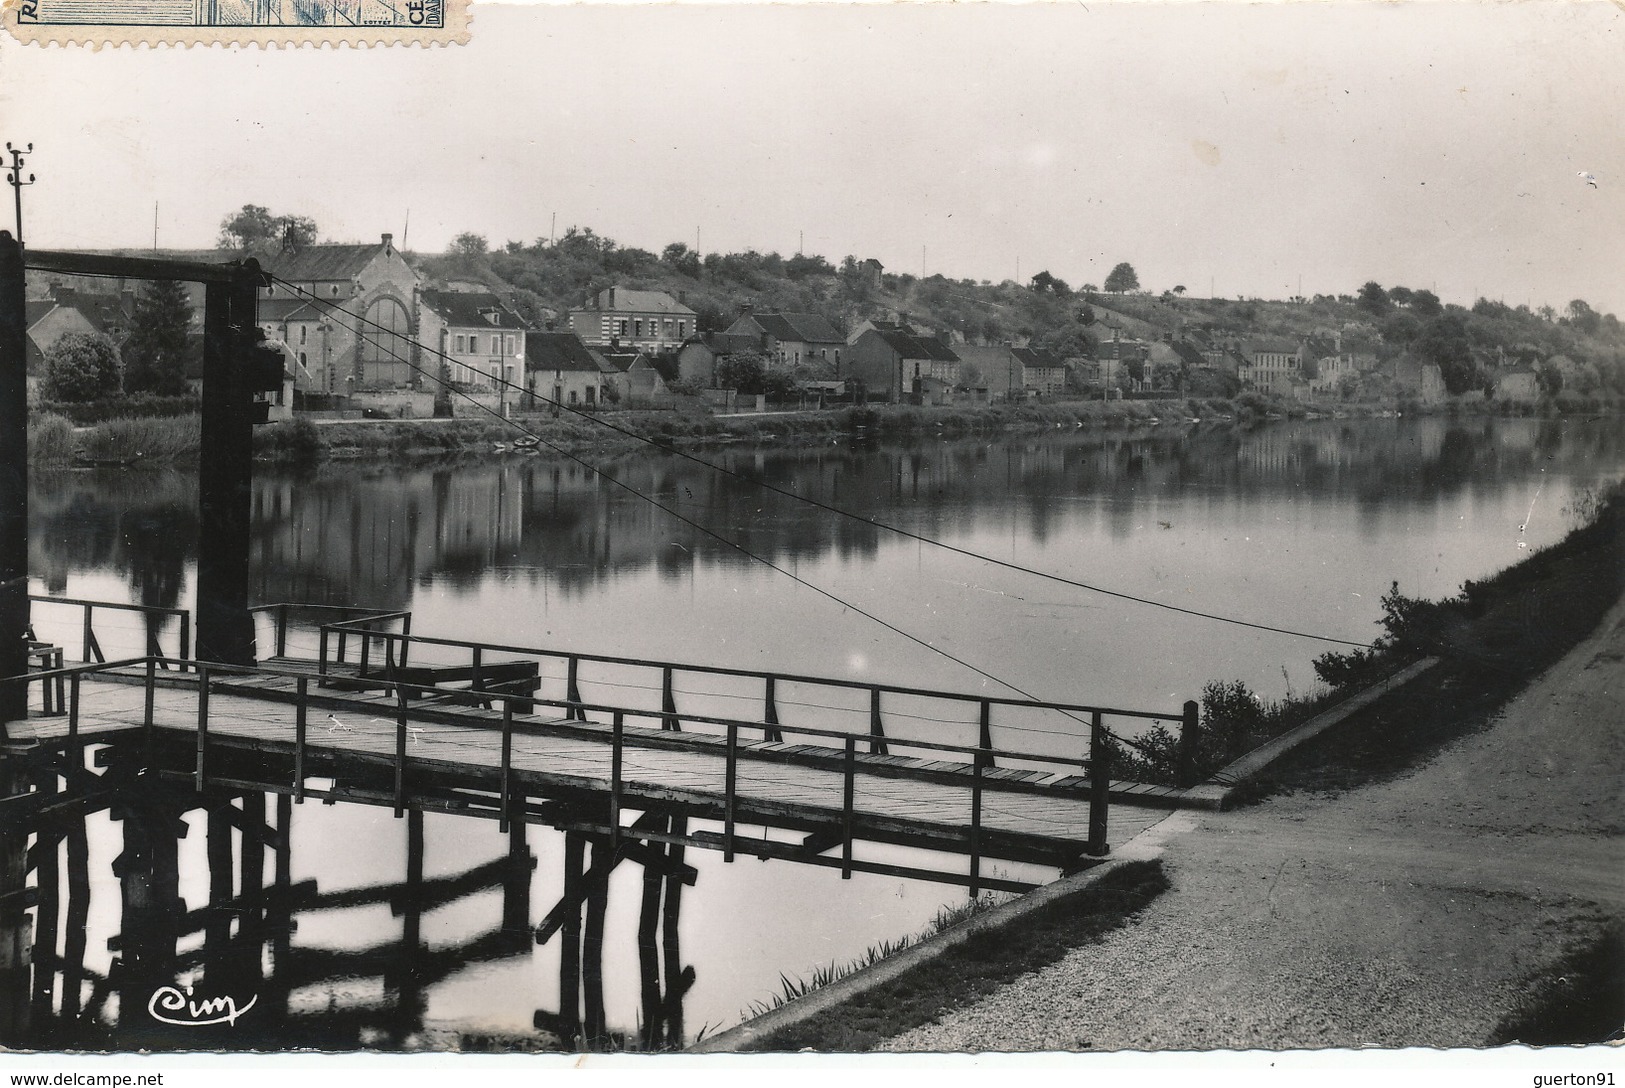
559, 351
36, 309
726, 343
805, 328
471, 309
630, 301
1276, 345
622, 360
1188, 353
321, 262
915, 347
281, 309
1036, 358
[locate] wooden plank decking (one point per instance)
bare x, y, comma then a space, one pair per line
799, 781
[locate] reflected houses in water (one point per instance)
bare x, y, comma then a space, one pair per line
144, 938
347, 534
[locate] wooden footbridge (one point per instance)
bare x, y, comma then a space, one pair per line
353, 706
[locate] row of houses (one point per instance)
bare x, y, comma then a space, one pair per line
364, 330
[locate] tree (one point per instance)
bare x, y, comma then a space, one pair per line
801, 266
1046, 284
1401, 296
1425, 304
160, 342
1583, 317
253, 229
1373, 299
682, 259
1179, 290
1122, 279
745, 372
1400, 327
81, 366
469, 244
1443, 341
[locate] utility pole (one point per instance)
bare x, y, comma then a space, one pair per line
15, 178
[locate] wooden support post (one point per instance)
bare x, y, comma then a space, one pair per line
13, 489
225, 628
251, 887
1185, 774
147, 704
15, 938
321, 656
409, 992
1100, 784
516, 889
477, 680
649, 958
279, 919
47, 881
975, 829
572, 689
186, 635
849, 764
615, 753
592, 952
400, 751
505, 789
282, 630
75, 925
217, 929
984, 741
672, 951
668, 701
73, 707
89, 637
301, 716
730, 792
575, 847
202, 724
876, 728
770, 713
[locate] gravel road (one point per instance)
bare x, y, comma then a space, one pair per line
1401, 913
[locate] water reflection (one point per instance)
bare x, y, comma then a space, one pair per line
346, 534
216, 944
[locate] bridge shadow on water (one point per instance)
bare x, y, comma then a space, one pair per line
93, 844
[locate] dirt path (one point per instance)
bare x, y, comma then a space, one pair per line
1402, 913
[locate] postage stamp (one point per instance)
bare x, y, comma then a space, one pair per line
239, 22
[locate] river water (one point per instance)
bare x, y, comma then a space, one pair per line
1295, 525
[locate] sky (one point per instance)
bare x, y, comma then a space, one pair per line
1233, 149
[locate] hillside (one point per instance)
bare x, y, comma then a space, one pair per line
544, 280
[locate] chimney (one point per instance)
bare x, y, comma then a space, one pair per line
682, 298
612, 298
389, 240
551, 324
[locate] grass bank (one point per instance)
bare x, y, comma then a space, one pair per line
54, 442
977, 966
1492, 640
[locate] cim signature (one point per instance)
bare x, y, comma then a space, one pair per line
215, 1010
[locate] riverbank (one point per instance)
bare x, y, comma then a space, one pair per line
54, 441
1426, 874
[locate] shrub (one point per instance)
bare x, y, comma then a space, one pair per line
139, 406
149, 440
50, 440
81, 366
